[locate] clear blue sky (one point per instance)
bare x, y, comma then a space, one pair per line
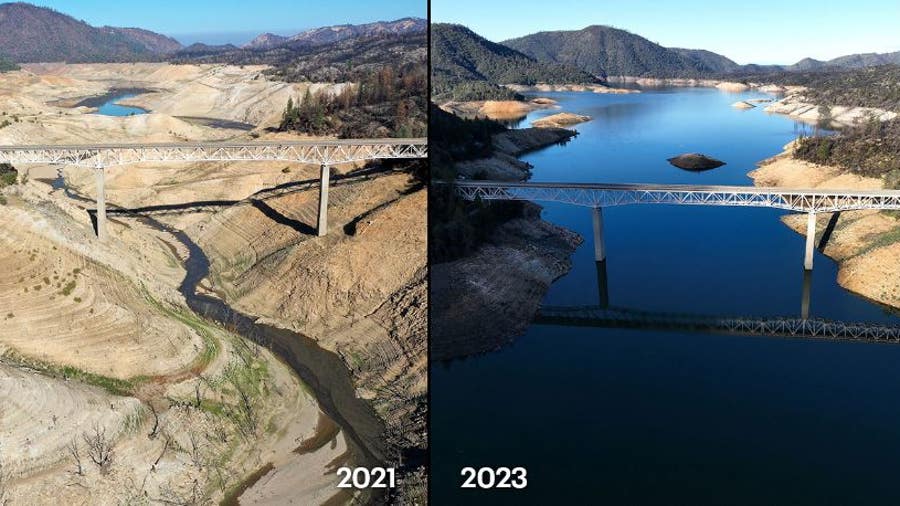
236, 21
759, 31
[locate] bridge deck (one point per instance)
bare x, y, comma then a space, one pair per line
609, 194
304, 151
332, 142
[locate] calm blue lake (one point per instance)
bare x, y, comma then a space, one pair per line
111, 108
612, 416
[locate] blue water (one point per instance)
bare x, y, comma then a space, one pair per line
111, 108
611, 416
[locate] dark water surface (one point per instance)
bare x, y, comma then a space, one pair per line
614, 416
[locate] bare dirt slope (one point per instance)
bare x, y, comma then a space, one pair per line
866, 244
105, 347
359, 291
186, 408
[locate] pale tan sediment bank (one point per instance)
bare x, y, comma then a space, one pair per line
560, 120
866, 244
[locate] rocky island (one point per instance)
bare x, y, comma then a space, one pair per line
695, 161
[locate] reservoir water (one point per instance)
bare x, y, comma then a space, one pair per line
616, 416
107, 104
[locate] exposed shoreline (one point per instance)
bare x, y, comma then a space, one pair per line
593, 88
483, 301
866, 259
499, 110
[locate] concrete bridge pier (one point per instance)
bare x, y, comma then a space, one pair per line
602, 285
101, 201
322, 225
599, 246
810, 240
807, 294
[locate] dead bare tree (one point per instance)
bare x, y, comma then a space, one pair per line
198, 455
99, 447
198, 391
155, 430
75, 453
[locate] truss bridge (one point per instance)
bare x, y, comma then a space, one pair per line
324, 153
597, 196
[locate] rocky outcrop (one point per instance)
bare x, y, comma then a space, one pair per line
741, 104
523, 140
481, 302
503, 165
732, 87
796, 106
560, 120
497, 109
695, 161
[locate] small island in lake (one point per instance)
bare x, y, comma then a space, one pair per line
695, 161
560, 120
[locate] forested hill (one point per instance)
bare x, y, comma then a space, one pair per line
863, 87
603, 50
37, 34
466, 63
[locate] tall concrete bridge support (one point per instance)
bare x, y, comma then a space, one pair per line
599, 195
325, 179
324, 153
810, 240
599, 246
101, 202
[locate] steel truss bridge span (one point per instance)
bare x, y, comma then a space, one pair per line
599, 195
324, 153
607, 195
313, 152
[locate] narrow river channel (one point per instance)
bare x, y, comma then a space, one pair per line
322, 371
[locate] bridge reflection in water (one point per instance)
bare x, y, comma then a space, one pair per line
606, 316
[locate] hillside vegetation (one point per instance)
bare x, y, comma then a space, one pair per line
460, 226
37, 34
871, 150
466, 66
607, 51
866, 87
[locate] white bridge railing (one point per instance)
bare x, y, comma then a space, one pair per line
324, 153
598, 195
317, 152
606, 195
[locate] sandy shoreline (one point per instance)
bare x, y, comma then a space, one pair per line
865, 244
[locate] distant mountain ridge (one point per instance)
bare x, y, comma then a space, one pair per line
29, 33
607, 51
850, 61
336, 33
154, 42
33, 34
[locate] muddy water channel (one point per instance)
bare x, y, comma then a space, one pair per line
321, 370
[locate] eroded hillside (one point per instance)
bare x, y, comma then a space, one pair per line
189, 407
